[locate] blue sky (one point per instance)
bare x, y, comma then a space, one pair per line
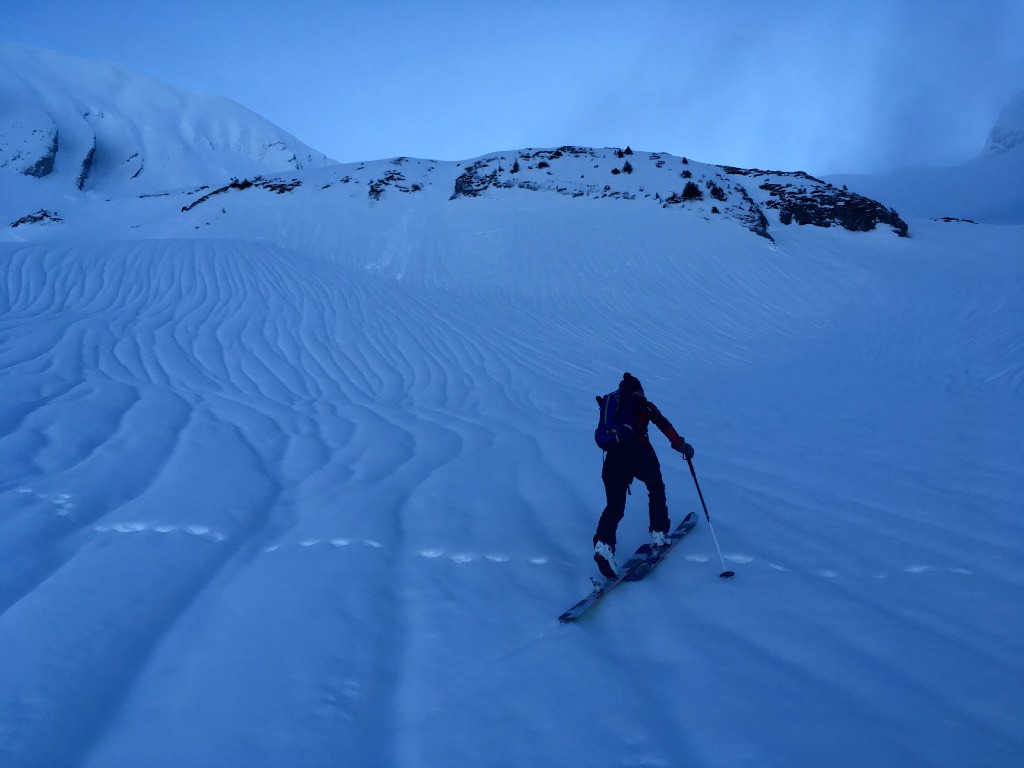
818, 86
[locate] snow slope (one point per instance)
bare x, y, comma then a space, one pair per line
304, 476
265, 509
986, 189
69, 125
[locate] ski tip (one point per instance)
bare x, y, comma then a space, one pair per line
726, 574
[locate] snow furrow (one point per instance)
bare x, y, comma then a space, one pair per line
291, 509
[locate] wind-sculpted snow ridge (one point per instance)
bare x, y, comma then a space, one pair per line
323, 496
176, 413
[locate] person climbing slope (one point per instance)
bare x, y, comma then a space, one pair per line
622, 434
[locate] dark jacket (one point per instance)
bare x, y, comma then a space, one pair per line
649, 413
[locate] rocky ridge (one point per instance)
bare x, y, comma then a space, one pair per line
756, 199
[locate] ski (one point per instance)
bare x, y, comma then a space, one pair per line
603, 586
639, 565
653, 555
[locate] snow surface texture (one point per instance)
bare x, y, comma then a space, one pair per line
303, 475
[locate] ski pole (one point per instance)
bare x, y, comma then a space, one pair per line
725, 574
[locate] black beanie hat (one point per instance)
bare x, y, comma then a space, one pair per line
630, 383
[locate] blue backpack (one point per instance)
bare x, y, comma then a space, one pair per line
620, 414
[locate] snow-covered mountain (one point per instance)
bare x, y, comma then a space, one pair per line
69, 125
296, 469
72, 126
987, 188
288, 207
1007, 134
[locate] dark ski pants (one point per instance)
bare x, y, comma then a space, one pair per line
620, 467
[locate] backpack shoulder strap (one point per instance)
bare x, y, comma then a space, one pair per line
609, 406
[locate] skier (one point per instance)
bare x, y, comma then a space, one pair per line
622, 432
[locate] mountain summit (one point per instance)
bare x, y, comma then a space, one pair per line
1008, 132
985, 189
93, 126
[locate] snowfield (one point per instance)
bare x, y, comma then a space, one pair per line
305, 478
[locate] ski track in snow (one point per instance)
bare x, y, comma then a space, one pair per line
63, 505
347, 507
